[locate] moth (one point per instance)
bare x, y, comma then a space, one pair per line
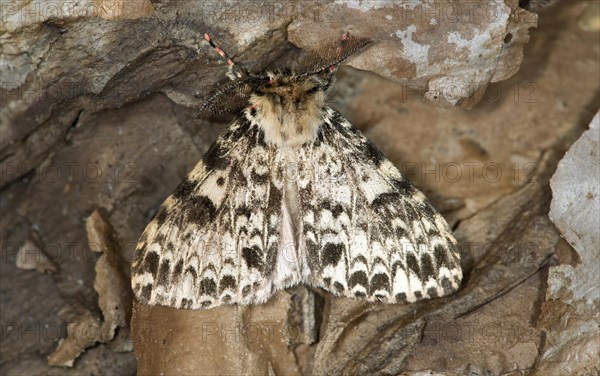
292, 193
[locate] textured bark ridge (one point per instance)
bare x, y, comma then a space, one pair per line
468, 99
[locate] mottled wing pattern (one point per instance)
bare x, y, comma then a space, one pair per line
215, 239
366, 231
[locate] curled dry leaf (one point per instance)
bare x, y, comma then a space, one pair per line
111, 283
83, 332
100, 234
31, 257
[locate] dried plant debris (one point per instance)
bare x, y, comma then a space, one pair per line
111, 282
32, 257
100, 234
83, 332
114, 300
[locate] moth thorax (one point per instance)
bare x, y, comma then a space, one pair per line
289, 110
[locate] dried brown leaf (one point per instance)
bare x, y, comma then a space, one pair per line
31, 257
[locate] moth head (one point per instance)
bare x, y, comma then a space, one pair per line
284, 89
